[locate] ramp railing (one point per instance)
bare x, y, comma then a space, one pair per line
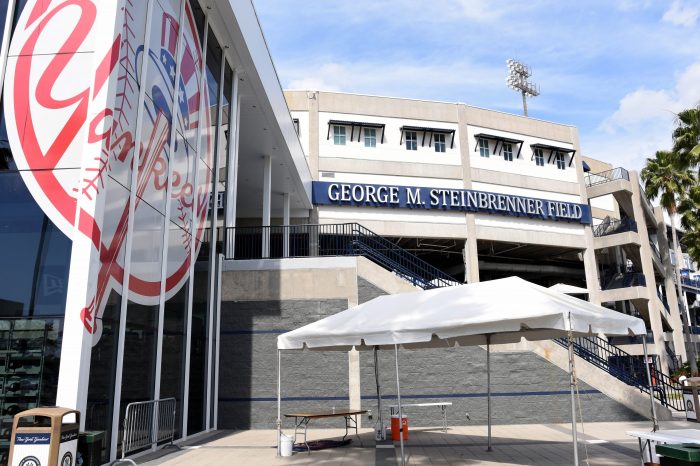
629, 369
346, 239
147, 424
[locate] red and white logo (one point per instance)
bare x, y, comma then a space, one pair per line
73, 123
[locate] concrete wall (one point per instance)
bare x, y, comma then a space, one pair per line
526, 387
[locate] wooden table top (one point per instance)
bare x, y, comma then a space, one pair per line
320, 414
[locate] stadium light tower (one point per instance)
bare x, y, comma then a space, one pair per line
517, 80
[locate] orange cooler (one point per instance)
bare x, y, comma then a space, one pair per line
395, 428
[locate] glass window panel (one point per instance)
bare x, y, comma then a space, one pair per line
370, 137
507, 152
539, 158
439, 140
339, 135
39, 252
411, 140
31, 351
483, 147
19, 7
3, 16
174, 327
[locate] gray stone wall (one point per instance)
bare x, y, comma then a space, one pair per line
248, 363
525, 388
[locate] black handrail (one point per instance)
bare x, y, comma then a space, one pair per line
627, 368
345, 239
618, 173
610, 227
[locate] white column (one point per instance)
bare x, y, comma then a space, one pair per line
285, 221
166, 227
232, 168
267, 199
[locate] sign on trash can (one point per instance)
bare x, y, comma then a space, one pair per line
44, 437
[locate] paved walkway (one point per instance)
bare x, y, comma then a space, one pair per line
538, 444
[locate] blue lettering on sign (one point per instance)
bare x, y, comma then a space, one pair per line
465, 200
32, 439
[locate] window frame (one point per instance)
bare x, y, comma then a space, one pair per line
507, 149
539, 157
560, 160
370, 137
439, 140
339, 135
411, 137
484, 148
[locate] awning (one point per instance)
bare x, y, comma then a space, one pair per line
355, 124
425, 131
498, 139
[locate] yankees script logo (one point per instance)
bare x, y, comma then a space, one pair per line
72, 112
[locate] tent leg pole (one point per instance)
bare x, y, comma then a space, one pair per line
654, 421
279, 402
488, 388
574, 432
398, 397
380, 419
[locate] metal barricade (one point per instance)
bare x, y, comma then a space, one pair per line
146, 424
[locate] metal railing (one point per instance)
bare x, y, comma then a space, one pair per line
690, 282
655, 250
610, 227
623, 280
345, 239
618, 173
663, 301
146, 424
629, 369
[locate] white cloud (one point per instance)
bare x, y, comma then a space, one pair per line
643, 122
681, 14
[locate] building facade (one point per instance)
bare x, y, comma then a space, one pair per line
140, 139
482, 195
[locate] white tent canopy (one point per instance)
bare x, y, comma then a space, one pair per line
485, 313
508, 309
568, 289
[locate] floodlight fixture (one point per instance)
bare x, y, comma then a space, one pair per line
518, 73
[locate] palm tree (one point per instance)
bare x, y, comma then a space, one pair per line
668, 177
686, 136
691, 241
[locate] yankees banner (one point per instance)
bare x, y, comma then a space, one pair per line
97, 162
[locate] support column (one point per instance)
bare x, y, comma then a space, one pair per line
285, 222
266, 207
470, 252
232, 169
655, 308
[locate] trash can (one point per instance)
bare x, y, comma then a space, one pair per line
683, 454
44, 437
690, 401
90, 448
395, 427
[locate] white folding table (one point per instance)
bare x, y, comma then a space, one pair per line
664, 436
443, 407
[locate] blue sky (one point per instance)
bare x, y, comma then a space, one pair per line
616, 69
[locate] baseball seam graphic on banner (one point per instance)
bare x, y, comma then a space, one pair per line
72, 108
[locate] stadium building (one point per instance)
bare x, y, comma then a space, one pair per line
166, 211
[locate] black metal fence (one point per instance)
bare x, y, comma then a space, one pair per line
345, 239
610, 227
629, 369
